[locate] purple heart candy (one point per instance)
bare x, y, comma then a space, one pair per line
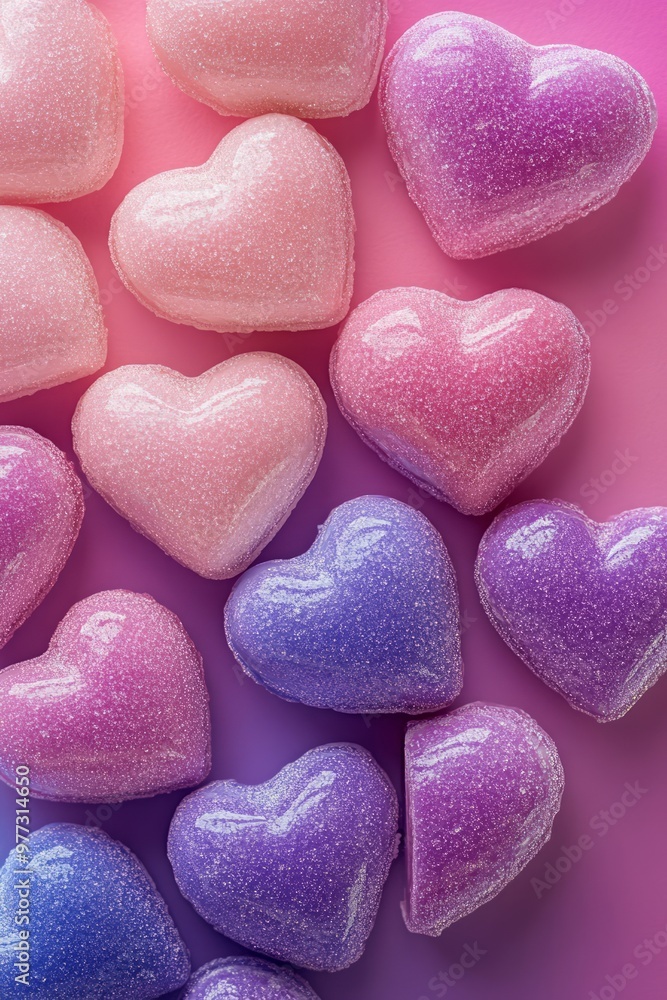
367, 620
295, 867
483, 785
501, 142
584, 604
246, 979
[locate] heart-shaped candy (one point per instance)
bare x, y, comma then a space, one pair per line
310, 58
246, 979
501, 142
464, 398
117, 707
261, 237
209, 468
51, 324
96, 927
483, 786
295, 867
366, 621
61, 100
41, 501
584, 604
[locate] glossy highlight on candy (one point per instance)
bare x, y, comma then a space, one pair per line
115, 709
293, 868
464, 398
310, 58
246, 979
582, 603
98, 926
501, 142
260, 237
209, 468
367, 620
483, 786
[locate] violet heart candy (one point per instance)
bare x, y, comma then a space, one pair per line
116, 708
293, 868
98, 928
483, 785
367, 620
246, 979
584, 604
41, 501
501, 142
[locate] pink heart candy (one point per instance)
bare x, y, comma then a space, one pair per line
52, 329
61, 100
116, 708
311, 58
209, 468
260, 237
42, 509
464, 398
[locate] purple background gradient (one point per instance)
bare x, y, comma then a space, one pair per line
574, 940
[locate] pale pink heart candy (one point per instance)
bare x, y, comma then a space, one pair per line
311, 58
464, 398
260, 237
116, 708
51, 324
209, 468
61, 100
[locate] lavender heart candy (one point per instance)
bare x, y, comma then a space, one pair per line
246, 979
501, 142
583, 604
367, 620
483, 785
295, 867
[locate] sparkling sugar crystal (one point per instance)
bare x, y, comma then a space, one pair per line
246, 979
293, 868
310, 58
464, 398
209, 468
584, 604
261, 237
367, 620
501, 142
483, 785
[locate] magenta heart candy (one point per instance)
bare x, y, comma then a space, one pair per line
501, 142
41, 500
483, 785
261, 237
311, 58
583, 604
209, 468
61, 100
464, 398
52, 329
116, 708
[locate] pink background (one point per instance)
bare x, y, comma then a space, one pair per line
574, 940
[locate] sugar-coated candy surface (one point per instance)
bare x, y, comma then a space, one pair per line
293, 868
483, 786
501, 142
116, 708
260, 237
246, 979
464, 398
61, 100
51, 324
99, 929
41, 507
584, 604
310, 58
367, 620
209, 468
